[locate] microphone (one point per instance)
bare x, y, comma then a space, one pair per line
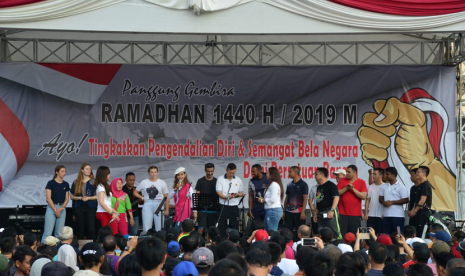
111, 221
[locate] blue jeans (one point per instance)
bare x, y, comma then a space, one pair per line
272, 218
52, 221
132, 230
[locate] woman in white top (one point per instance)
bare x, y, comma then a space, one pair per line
182, 193
104, 211
273, 198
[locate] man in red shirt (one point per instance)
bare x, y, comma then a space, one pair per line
351, 191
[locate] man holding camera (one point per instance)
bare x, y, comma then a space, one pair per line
327, 198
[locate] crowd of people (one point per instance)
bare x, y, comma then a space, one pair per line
328, 241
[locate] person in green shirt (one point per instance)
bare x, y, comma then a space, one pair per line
122, 204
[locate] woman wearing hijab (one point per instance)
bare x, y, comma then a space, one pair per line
122, 204
67, 255
36, 268
182, 193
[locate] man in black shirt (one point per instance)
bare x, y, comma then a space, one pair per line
327, 198
129, 188
420, 199
206, 185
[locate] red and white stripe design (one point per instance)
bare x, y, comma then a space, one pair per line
81, 83
14, 145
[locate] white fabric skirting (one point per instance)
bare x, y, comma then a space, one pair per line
317, 9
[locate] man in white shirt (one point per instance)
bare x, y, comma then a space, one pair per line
230, 189
393, 196
373, 208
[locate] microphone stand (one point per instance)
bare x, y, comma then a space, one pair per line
222, 208
242, 215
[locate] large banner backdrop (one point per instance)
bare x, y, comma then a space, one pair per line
129, 117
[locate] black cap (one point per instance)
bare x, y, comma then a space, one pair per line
172, 234
170, 263
91, 252
161, 235
232, 234
421, 250
55, 268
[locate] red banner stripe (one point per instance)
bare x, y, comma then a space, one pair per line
14, 3
15, 134
406, 7
94, 73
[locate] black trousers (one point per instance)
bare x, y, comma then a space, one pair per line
206, 220
419, 221
292, 222
85, 220
376, 223
349, 224
231, 213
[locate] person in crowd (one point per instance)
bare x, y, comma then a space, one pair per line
151, 255
288, 236
57, 269
312, 200
457, 237
153, 190
225, 248
22, 261
129, 267
104, 211
92, 258
354, 260
393, 196
5, 266
37, 265
420, 200
122, 204
303, 232
339, 174
84, 202
169, 265
203, 260
259, 261
288, 266
227, 268
174, 249
67, 255
346, 270
377, 254
206, 185
352, 190
230, 189
327, 199
182, 193
66, 236
276, 251
188, 245
453, 265
257, 186
185, 268
320, 264
419, 269
187, 227
326, 235
441, 260
172, 235
31, 240
239, 259
272, 200
373, 208
129, 188
57, 194
232, 235
393, 254
393, 269
295, 203
332, 251
303, 254
109, 246
7, 245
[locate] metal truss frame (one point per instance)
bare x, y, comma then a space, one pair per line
421, 52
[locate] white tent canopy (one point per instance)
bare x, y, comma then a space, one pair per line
217, 17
